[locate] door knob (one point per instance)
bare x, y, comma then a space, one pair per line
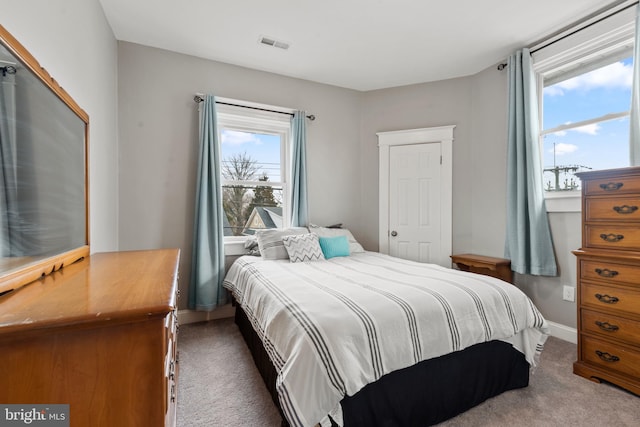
394, 233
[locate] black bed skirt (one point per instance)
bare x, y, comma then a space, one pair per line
421, 395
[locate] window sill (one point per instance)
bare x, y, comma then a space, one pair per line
563, 201
234, 246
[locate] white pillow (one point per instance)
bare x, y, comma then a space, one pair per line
270, 241
354, 246
303, 247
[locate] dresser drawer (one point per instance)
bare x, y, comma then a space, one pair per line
612, 208
171, 324
611, 272
614, 357
611, 326
615, 185
609, 297
612, 237
171, 340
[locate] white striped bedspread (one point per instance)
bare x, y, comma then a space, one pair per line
330, 327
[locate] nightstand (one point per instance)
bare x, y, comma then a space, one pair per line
489, 266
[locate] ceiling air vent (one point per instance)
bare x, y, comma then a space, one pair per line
270, 41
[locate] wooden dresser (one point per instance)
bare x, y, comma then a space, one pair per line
99, 335
609, 278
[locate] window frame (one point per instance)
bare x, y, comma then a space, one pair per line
251, 118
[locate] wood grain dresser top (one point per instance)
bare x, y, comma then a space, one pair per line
97, 289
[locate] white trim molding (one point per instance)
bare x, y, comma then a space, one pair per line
442, 135
563, 201
192, 316
563, 332
606, 34
234, 245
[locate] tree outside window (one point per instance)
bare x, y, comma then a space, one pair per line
252, 189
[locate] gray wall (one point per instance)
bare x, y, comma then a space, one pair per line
417, 106
158, 132
72, 40
488, 156
546, 292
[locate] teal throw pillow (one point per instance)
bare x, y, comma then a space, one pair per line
334, 246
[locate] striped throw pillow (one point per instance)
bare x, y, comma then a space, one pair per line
270, 241
303, 247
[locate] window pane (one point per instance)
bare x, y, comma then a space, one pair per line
590, 95
250, 156
601, 145
251, 208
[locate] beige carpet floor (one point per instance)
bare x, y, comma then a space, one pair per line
219, 385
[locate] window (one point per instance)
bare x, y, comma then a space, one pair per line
254, 148
584, 80
585, 123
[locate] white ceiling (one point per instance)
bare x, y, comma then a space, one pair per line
357, 44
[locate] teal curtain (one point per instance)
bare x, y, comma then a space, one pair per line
634, 125
299, 201
207, 266
528, 245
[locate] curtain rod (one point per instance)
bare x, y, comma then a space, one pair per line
548, 42
550, 39
199, 99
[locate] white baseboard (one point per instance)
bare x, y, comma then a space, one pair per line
192, 316
563, 332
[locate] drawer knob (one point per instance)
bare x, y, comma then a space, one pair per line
607, 299
607, 357
611, 186
606, 326
625, 209
606, 272
611, 238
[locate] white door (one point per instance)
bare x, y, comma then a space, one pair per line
415, 202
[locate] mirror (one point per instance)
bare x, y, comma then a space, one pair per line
43, 171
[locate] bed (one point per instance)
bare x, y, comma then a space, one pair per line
368, 339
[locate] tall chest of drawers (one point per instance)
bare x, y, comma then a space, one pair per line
608, 271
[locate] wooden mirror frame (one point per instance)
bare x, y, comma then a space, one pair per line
32, 270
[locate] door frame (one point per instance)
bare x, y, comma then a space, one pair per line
442, 135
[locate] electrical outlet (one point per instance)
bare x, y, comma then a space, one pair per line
568, 293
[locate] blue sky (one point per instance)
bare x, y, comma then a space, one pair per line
600, 145
263, 148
